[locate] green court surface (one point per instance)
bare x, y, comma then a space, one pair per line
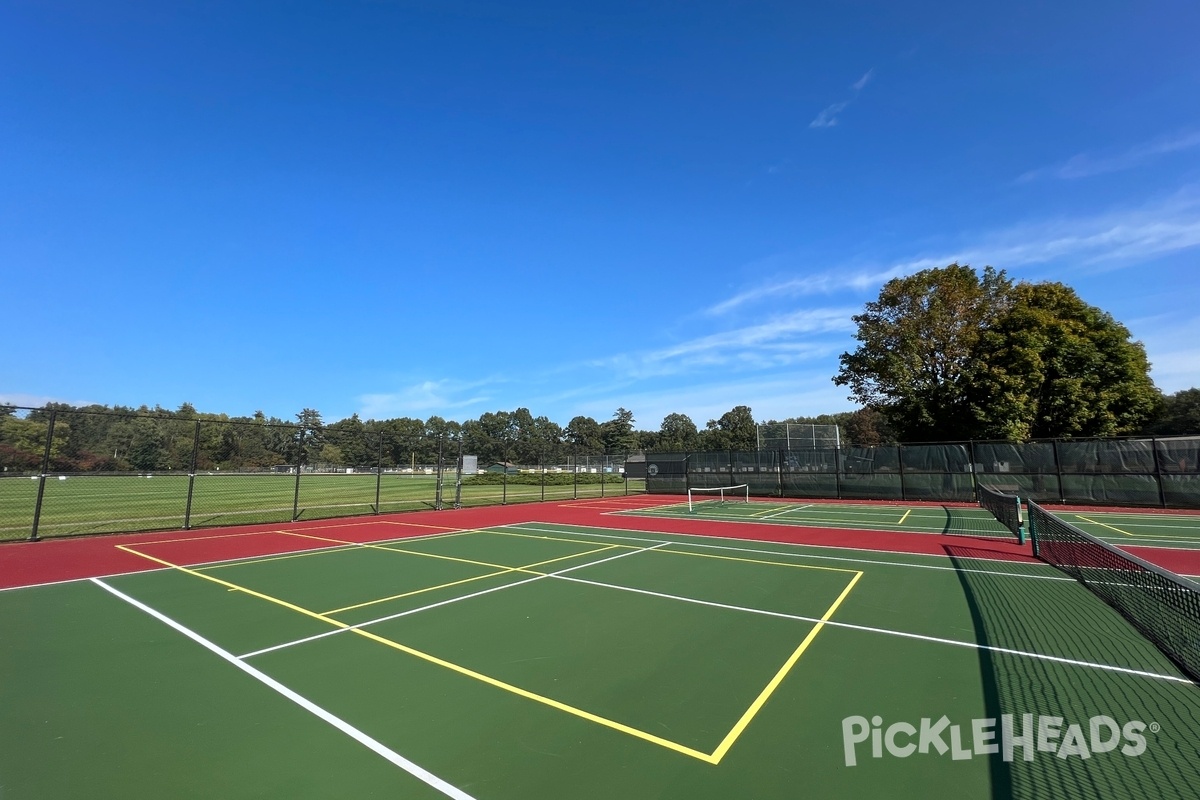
1144, 529
541, 660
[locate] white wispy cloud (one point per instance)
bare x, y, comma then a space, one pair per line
428, 396
1085, 165
1110, 240
828, 116
38, 400
769, 397
779, 341
822, 283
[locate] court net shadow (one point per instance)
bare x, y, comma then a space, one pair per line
1055, 617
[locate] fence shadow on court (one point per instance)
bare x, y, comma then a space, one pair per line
1061, 618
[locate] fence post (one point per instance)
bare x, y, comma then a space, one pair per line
378, 471
299, 469
575, 473
187, 511
437, 493
37, 508
458, 475
900, 464
1158, 476
837, 471
1062, 495
974, 477
542, 469
504, 477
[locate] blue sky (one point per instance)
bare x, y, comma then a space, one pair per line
419, 208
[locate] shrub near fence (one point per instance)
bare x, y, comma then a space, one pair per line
1114, 472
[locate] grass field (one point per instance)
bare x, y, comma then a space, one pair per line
544, 659
103, 504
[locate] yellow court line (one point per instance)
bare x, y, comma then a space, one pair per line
508, 687
420, 525
264, 559
1102, 525
748, 560
343, 546
559, 538
527, 568
373, 546
906, 513
770, 688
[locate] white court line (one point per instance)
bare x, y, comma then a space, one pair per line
248, 559
418, 772
445, 602
902, 634
562, 575
785, 511
522, 526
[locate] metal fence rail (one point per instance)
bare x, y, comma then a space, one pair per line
80, 472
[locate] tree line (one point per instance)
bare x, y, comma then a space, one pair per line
102, 439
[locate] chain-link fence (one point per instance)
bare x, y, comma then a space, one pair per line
66, 472
794, 435
1115, 472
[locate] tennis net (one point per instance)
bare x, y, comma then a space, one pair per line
1006, 508
1163, 606
718, 494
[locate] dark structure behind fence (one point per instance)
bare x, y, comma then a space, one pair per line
1161, 472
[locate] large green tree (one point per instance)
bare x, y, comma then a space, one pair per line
735, 430
678, 434
1180, 414
585, 436
1054, 366
618, 434
950, 354
917, 348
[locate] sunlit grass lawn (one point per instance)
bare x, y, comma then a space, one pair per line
109, 503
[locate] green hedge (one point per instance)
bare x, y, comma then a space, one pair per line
548, 478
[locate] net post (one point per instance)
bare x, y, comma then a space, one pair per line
1033, 532
1020, 519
